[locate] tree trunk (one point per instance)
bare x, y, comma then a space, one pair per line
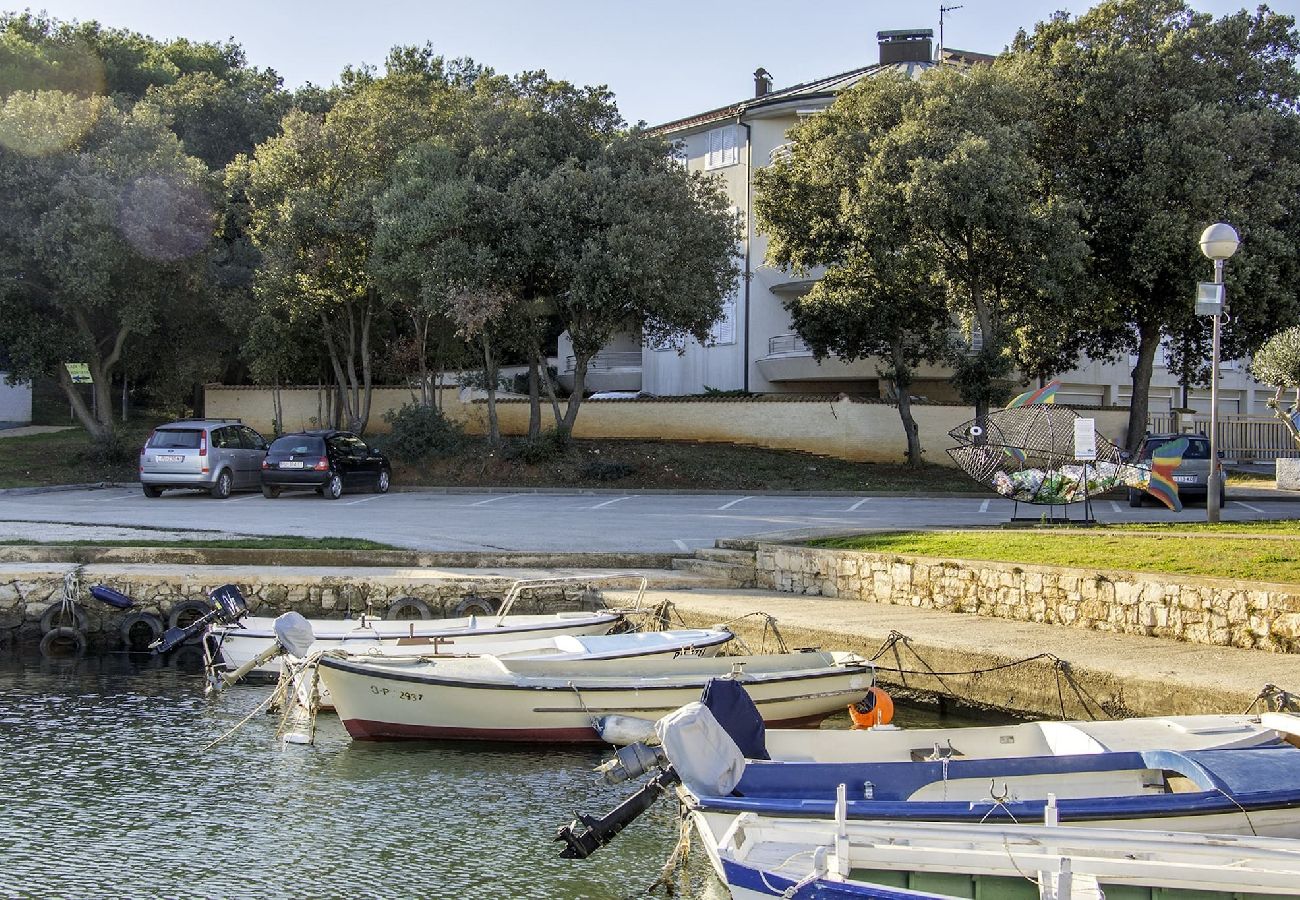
79, 408
579, 385
534, 397
550, 391
902, 377
367, 386
1139, 405
277, 408
490, 375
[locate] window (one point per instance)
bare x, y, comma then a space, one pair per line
175, 439
299, 445
724, 330
722, 148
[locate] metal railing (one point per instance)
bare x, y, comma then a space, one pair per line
786, 343
607, 361
1242, 438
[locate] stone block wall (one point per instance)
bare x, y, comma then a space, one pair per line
1212, 611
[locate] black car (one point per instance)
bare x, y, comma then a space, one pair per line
327, 461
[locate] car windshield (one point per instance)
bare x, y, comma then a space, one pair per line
175, 439
298, 444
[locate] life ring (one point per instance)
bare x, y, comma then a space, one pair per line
56, 616
476, 605
64, 641
877, 708
185, 613
140, 629
409, 608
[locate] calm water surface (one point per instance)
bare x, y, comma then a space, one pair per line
109, 793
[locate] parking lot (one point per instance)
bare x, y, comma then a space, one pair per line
429, 520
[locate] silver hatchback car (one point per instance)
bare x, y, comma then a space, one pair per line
213, 455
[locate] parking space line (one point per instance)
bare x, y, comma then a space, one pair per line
681, 545
984, 507
611, 502
856, 505
734, 502
1249, 507
248, 496
1115, 506
493, 500
363, 500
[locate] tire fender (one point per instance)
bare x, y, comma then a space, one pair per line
56, 616
64, 641
408, 608
140, 629
485, 606
184, 613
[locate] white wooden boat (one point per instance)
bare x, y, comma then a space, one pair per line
492, 698
842, 859
245, 640
700, 642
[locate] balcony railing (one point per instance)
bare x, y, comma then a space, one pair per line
786, 343
607, 361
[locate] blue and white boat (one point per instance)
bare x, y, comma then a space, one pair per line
842, 859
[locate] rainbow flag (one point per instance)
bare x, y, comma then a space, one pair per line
1044, 394
1161, 484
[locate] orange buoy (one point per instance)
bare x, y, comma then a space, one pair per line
877, 708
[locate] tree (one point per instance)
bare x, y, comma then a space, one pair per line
1277, 362
1160, 121
104, 228
828, 203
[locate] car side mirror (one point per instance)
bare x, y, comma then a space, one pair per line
374, 451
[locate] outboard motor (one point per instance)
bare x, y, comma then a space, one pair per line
293, 635
228, 607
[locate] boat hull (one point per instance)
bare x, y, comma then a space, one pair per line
533, 705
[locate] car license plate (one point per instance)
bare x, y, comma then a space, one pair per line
169, 457
1186, 479
291, 464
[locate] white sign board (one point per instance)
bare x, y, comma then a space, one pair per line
1085, 440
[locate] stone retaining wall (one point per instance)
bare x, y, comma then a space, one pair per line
1212, 611
25, 597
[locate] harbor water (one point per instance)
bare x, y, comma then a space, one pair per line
110, 792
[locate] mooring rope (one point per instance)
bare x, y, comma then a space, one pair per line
676, 862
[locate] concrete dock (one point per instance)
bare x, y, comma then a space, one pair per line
1077, 673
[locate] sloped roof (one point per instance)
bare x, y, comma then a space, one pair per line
832, 84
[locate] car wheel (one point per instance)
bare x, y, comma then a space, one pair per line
270, 493
381, 486
333, 489
221, 488
151, 491
1134, 497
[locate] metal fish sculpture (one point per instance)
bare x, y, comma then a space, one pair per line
1025, 452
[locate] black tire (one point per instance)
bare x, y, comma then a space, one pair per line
1134, 497
270, 493
140, 629
63, 642
408, 608
485, 606
221, 487
382, 484
55, 616
185, 612
333, 488
151, 491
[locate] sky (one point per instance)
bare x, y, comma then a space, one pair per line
663, 60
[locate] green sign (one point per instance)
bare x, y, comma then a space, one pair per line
80, 373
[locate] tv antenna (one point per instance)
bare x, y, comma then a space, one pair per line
942, 10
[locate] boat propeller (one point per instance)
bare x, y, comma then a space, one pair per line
587, 834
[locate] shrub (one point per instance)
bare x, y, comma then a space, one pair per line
421, 432
606, 469
548, 445
112, 450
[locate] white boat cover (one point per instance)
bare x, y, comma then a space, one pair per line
704, 755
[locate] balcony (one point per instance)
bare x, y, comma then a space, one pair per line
789, 359
610, 370
787, 345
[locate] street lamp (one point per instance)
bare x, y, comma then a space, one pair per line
1218, 242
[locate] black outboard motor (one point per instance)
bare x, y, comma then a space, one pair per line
587, 834
228, 607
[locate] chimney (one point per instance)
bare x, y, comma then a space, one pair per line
762, 82
913, 45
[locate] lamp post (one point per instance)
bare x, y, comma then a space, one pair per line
1218, 243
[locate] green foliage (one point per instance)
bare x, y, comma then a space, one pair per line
1277, 361
606, 470
111, 449
549, 445
421, 432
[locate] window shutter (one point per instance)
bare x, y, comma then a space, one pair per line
730, 155
724, 330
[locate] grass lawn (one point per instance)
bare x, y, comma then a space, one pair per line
65, 457
1269, 552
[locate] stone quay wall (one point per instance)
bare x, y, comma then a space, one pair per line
30, 596
1213, 611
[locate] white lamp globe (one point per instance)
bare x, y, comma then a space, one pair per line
1219, 241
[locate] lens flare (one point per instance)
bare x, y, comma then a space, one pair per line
165, 220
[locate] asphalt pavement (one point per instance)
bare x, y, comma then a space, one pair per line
506, 521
